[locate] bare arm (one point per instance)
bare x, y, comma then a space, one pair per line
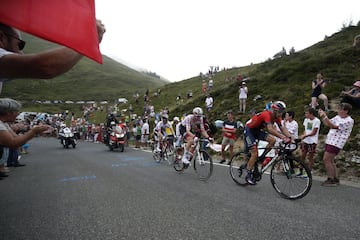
313, 132
326, 120
43, 65
272, 130
10, 140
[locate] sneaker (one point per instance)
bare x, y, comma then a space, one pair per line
158, 149
337, 181
250, 178
186, 165
185, 159
329, 183
222, 161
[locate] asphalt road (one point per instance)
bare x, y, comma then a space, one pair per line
92, 193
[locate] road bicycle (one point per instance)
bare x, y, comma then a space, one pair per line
200, 159
290, 176
167, 150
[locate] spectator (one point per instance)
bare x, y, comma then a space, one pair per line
209, 101
9, 109
145, 131
137, 134
352, 96
291, 124
317, 85
45, 65
310, 136
243, 91
211, 84
340, 129
229, 136
204, 86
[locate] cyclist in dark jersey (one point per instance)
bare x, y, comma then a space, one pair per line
254, 131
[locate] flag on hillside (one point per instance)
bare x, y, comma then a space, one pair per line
71, 23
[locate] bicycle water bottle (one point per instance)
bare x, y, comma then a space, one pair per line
267, 159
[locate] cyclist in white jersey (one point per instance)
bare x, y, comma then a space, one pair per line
190, 128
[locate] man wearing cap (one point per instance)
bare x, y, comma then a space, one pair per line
352, 96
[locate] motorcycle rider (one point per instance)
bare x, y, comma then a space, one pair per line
110, 122
61, 133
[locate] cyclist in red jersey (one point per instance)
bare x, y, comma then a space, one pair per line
254, 131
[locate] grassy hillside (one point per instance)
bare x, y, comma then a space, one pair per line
86, 81
287, 78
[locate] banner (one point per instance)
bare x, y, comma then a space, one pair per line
71, 23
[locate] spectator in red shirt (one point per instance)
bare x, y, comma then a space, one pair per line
229, 136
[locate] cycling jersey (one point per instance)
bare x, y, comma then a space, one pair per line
193, 124
164, 128
260, 120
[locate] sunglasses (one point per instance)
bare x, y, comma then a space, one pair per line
21, 43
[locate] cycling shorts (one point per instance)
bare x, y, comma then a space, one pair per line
251, 135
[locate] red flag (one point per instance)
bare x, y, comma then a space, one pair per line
71, 23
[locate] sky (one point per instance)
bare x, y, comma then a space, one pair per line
179, 39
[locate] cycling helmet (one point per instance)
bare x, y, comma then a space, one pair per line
198, 111
176, 119
165, 116
278, 105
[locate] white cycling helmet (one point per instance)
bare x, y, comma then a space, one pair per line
176, 119
279, 106
197, 111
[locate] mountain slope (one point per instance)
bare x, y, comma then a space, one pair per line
88, 80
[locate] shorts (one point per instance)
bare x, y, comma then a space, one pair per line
144, 138
182, 130
308, 148
251, 135
228, 141
332, 149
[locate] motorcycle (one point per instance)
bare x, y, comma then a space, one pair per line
117, 138
67, 138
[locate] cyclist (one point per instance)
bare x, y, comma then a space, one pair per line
162, 129
254, 131
192, 126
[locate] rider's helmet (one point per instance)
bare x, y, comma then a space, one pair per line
62, 125
165, 116
197, 111
176, 119
279, 106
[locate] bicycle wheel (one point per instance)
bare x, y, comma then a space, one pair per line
237, 168
178, 165
170, 154
156, 154
287, 180
203, 165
